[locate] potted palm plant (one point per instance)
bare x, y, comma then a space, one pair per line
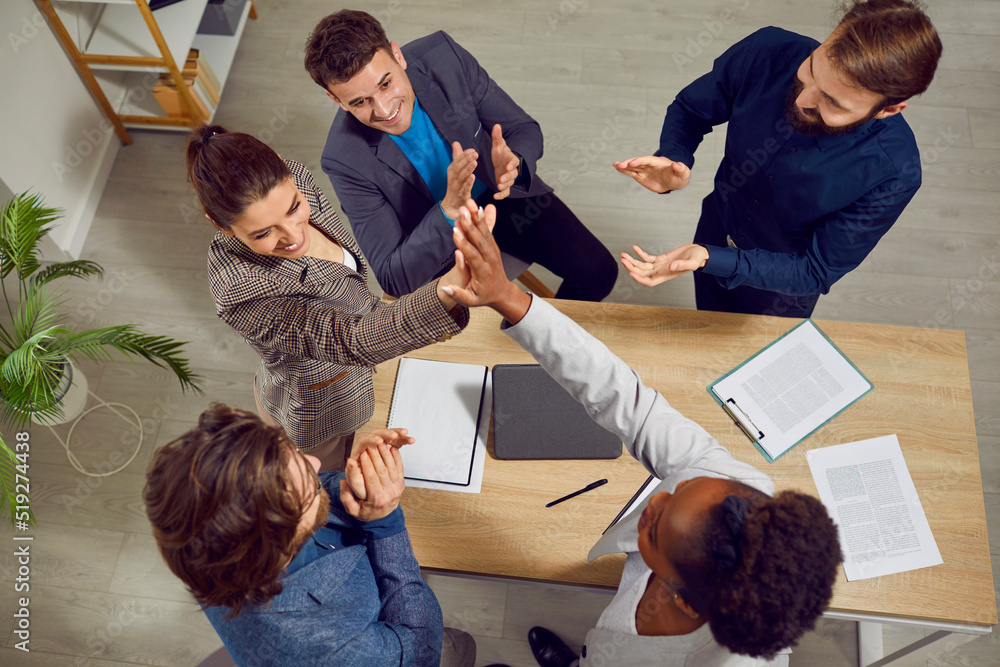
36, 346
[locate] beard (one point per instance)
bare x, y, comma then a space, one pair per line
321, 516
323, 513
809, 122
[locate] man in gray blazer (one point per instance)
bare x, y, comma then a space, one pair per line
420, 130
719, 571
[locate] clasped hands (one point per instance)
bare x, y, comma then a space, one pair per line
461, 172
373, 478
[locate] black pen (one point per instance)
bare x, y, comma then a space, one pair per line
596, 484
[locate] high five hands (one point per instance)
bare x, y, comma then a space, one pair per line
651, 270
477, 257
655, 173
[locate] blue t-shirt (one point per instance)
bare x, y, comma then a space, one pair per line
429, 153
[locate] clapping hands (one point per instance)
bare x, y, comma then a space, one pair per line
373, 480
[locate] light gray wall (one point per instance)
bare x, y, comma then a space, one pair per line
53, 137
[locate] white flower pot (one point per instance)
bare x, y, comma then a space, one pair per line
74, 397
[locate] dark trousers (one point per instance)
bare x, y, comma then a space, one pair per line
710, 295
542, 230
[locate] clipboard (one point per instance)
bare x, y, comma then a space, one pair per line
788, 390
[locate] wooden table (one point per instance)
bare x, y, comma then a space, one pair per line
922, 394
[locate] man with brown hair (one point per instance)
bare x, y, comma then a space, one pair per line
293, 566
818, 163
422, 128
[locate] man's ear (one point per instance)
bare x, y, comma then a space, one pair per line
398, 54
891, 110
227, 232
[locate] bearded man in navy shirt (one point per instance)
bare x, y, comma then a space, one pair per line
818, 164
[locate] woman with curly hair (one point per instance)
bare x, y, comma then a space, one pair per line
718, 571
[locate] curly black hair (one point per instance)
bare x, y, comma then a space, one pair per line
786, 558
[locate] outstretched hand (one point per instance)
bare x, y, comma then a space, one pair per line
651, 270
394, 437
655, 173
373, 482
478, 256
505, 163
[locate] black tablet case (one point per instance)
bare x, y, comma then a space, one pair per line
535, 418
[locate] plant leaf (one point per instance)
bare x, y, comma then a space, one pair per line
160, 350
8, 498
24, 363
80, 268
23, 222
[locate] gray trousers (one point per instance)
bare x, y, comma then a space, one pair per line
458, 649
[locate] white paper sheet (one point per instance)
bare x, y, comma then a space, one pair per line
791, 388
476, 484
438, 402
868, 491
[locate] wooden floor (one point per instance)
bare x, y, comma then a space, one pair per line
597, 75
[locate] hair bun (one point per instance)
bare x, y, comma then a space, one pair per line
209, 131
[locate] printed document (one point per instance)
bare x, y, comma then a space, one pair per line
790, 388
868, 491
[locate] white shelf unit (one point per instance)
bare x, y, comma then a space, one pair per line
120, 48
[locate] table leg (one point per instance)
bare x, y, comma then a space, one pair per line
869, 643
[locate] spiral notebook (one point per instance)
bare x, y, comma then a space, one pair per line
440, 403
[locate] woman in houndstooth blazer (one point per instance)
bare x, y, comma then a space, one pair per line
287, 276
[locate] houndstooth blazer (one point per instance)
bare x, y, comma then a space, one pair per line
317, 327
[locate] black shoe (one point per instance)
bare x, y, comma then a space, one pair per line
549, 650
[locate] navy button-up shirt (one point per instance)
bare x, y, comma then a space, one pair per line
802, 210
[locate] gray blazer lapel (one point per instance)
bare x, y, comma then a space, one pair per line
389, 154
448, 121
